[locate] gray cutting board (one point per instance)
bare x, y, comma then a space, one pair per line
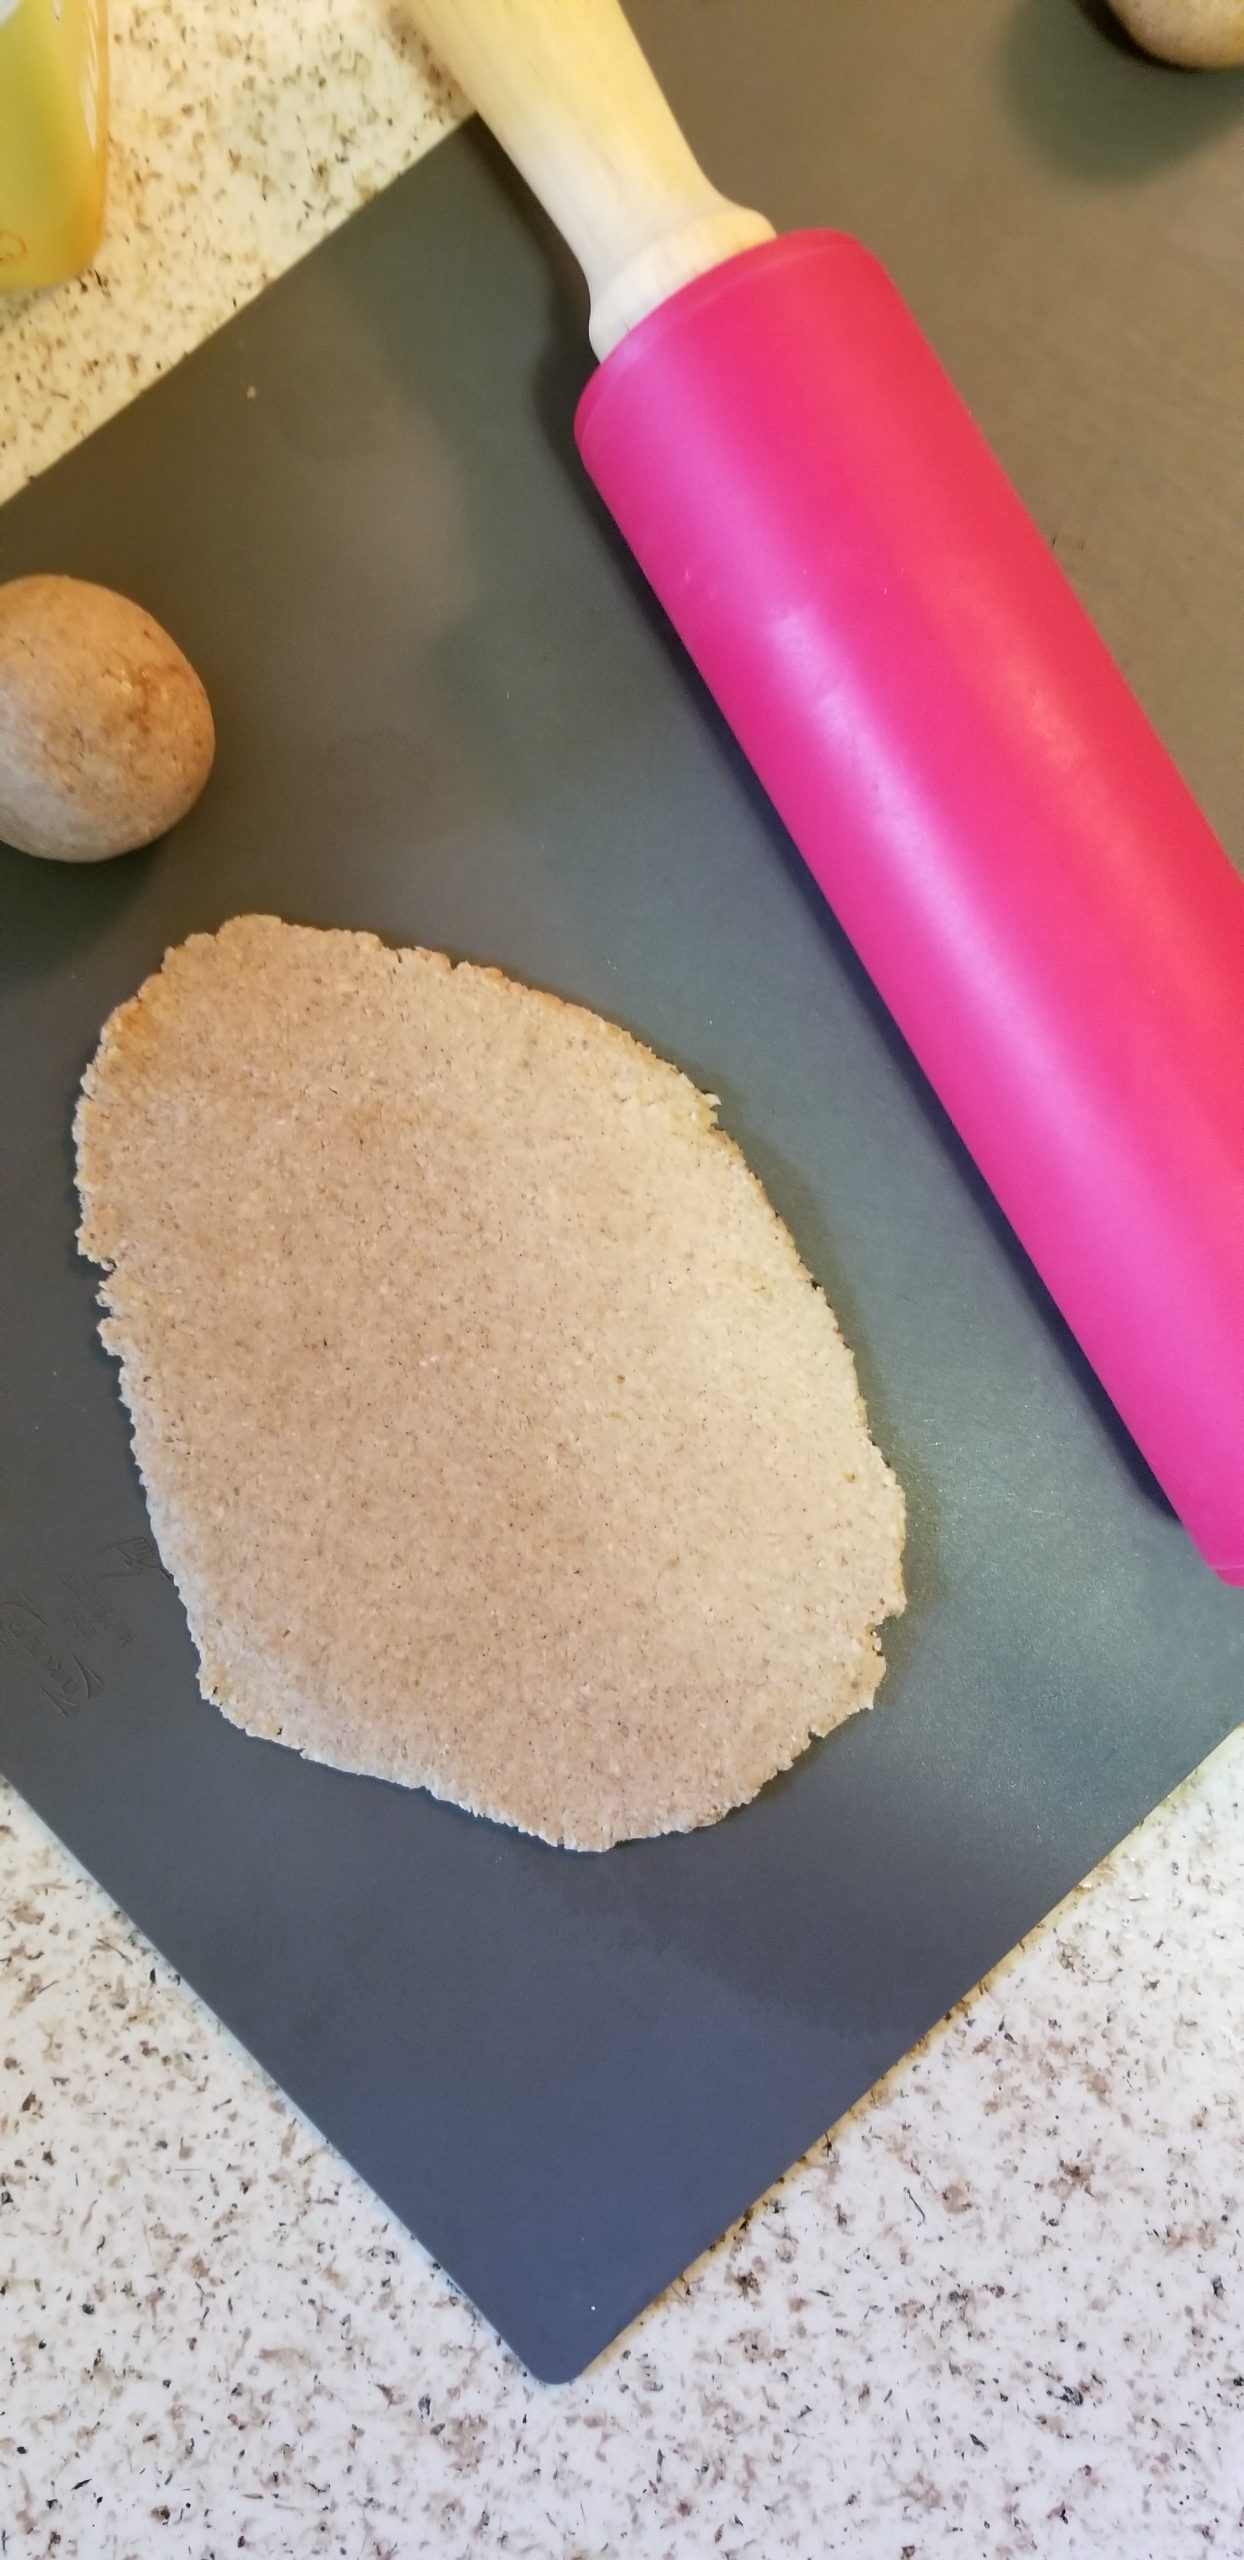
448, 711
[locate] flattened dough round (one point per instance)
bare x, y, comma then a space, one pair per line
494, 1434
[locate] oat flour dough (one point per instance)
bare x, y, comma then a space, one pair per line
492, 1430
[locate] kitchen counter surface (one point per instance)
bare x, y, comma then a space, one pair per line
999, 2311
242, 133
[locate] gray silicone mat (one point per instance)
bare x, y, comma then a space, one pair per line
447, 711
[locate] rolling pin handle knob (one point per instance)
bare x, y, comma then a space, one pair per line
569, 95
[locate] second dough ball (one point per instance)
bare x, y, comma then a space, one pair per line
1205, 35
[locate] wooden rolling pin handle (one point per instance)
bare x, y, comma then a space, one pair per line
570, 97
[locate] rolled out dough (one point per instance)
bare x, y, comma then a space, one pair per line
495, 1436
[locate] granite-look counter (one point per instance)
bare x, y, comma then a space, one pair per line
999, 2311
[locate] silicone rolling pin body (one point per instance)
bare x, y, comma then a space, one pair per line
1015, 857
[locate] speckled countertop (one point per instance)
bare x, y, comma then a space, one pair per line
1000, 2311
242, 133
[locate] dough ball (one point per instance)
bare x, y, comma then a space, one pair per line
1207, 35
106, 735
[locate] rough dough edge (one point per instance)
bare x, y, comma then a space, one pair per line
106, 1257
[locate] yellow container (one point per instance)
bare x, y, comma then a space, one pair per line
53, 137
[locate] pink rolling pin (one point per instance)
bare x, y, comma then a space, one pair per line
1025, 875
